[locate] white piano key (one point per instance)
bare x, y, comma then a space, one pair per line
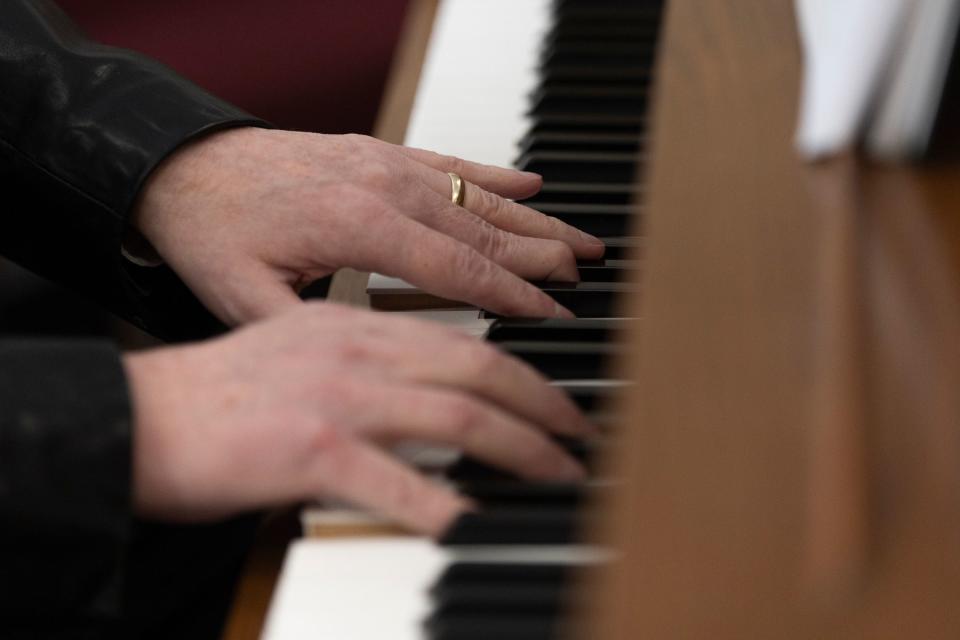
479, 69
354, 589
373, 589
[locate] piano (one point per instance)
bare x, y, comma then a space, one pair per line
782, 461
563, 86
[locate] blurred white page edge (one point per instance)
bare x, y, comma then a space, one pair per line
846, 49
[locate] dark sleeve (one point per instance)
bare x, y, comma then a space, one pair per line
81, 127
65, 451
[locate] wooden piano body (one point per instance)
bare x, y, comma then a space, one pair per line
791, 451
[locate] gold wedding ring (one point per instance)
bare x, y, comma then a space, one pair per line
458, 189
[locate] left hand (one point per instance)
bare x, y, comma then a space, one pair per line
247, 217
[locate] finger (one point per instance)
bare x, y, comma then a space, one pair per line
245, 295
366, 476
506, 381
404, 248
529, 258
508, 183
437, 415
481, 370
515, 218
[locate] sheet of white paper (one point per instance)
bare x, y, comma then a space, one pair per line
907, 109
846, 48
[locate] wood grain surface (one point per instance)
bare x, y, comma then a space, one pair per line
790, 458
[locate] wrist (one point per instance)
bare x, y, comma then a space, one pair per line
151, 377
173, 186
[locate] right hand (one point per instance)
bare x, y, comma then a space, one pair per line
300, 407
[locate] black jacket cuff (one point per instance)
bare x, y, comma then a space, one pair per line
65, 477
82, 126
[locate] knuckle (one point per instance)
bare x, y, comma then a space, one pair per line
473, 268
352, 349
493, 206
325, 440
493, 242
381, 175
484, 361
454, 164
561, 253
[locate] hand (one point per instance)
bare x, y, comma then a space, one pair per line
298, 407
247, 217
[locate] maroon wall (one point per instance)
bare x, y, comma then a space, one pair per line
302, 64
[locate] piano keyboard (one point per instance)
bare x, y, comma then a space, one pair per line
505, 571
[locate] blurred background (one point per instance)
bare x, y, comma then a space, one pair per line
312, 65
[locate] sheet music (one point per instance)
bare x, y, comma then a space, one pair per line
846, 49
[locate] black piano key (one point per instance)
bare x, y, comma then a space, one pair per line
597, 224
556, 526
581, 142
584, 192
630, 127
468, 471
559, 166
471, 470
601, 31
634, 77
591, 399
563, 360
613, 264
602, 220
585, 299
588, 99
621, 247
529, 496
468, 586
544, 605
589, 121
602, 11
585, 208
472, 572
543, 627
501, 598
608, 55
606, 273
553, 329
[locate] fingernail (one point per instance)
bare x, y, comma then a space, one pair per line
531, 174
560, 311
